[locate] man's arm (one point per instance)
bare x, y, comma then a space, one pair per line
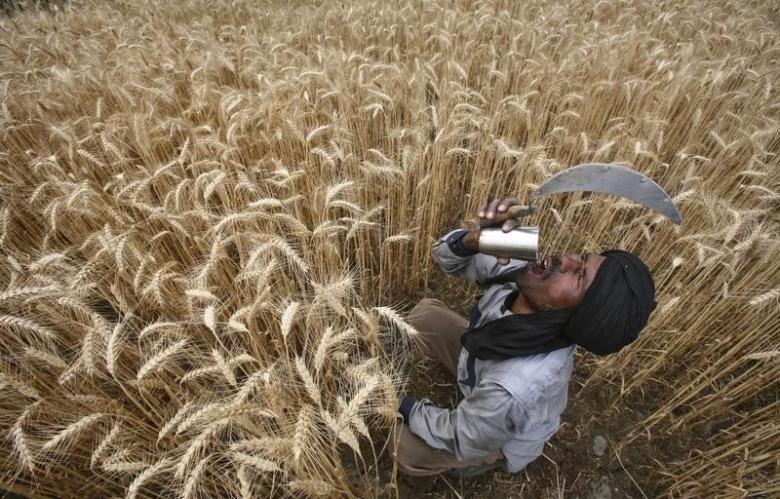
456, 254
482, 423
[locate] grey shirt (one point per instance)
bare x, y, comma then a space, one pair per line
514, 404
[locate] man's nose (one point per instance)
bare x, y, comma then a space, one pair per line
569, 263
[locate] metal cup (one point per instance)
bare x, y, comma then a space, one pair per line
521, 243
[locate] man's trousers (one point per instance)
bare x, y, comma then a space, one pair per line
440, 329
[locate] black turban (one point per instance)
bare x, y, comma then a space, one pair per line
613, 311
615, 307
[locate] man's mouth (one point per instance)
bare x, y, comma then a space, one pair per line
544, 267
538, 268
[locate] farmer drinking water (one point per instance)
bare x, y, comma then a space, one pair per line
513, 357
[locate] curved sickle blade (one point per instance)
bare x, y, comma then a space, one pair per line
612, 179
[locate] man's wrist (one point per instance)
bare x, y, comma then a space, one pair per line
455, 243
471, 241
406, 406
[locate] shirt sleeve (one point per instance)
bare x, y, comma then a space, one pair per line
482, 423
456, 260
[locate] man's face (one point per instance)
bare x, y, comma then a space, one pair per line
558, 282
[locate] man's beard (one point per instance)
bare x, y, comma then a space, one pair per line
526, 288
522, 290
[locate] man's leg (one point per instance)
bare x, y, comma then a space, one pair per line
441, 329
416, 458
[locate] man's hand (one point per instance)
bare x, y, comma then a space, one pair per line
504, 212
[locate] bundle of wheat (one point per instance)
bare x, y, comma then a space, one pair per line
205, 210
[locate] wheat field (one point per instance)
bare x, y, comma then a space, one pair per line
214, 215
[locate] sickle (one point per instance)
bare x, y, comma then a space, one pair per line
612, 179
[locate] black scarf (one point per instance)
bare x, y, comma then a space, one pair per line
613, 311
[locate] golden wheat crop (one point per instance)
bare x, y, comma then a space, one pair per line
206, 210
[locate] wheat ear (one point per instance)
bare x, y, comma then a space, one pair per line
191, 483
104, 444
395, 318
20, 440
259, 463
288, 317
157, 361
73, 430
308, 380
48, 358
141, 479
312, 487
302, 429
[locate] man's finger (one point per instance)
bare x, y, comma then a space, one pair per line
481, 211
506, 203
518, 211
510, 224
491, 211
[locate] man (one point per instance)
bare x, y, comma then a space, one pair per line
513, 357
